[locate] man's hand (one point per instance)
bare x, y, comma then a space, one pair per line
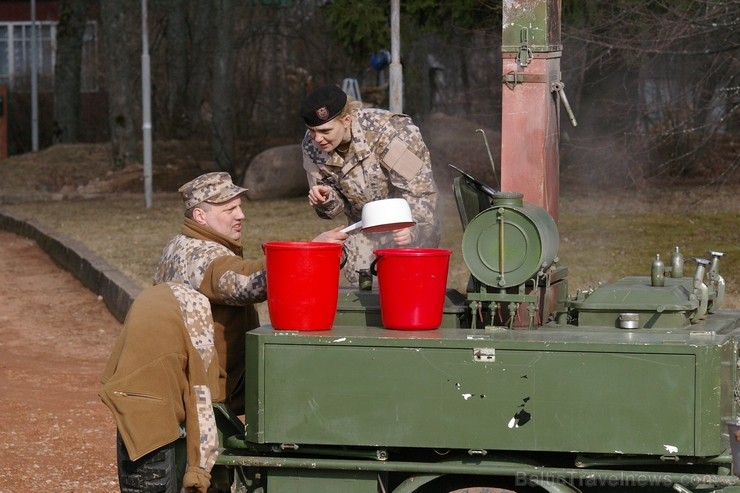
332, 236
402, 237
318, 194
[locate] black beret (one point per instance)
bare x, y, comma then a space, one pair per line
323, 105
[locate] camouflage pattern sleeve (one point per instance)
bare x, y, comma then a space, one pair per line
421, 194
200, 420
407, 158
235, 281
214, 270
313, 156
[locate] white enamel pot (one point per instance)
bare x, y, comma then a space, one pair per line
383, 215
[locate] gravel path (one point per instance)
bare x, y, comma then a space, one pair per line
55, 337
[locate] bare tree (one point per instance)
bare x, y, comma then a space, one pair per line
67, 70
188, 62
121, 93
199, 56
655, 85
178, 46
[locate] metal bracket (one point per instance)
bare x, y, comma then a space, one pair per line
512, 78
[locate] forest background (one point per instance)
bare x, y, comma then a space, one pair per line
651, 165
654, 85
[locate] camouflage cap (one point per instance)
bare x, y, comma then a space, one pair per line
211, 187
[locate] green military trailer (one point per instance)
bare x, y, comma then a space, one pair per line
629, 386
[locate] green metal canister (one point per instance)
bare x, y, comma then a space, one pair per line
657, 272
509, 243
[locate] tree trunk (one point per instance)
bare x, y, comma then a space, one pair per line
222, 125
70, 32
177, 67
202, 13
121, 93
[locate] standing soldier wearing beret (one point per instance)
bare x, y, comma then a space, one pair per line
354, 155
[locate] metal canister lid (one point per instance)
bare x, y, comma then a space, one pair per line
513, 199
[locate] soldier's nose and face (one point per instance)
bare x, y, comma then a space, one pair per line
226, 218
329, 135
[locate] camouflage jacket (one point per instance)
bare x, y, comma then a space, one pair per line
387, 158
213, 265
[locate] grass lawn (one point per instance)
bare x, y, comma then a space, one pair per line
602, 237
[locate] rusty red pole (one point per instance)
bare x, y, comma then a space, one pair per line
530, 129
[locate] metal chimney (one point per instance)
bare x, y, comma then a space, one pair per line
530, 129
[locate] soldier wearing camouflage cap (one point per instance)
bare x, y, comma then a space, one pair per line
354, 155
206, 291
207, 255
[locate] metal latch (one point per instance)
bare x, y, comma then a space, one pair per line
559, 87
484, 355
525, 52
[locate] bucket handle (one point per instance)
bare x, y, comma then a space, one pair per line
373, 270
343, 257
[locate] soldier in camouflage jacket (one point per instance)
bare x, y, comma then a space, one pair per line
353, 156
207, 255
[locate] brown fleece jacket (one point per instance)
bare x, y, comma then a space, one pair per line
155, 376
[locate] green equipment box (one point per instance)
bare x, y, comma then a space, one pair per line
557, 388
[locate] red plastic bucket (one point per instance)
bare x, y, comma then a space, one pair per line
412, 284
302, 284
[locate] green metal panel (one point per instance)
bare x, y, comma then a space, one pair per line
539, 18
321, 481
614, 392
664, 307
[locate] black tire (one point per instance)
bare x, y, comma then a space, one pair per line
160, 471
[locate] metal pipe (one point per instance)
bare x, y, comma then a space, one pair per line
34, 80
146, 103
395, 72
490, 158
526, 472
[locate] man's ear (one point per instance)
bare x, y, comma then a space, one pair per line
199, 215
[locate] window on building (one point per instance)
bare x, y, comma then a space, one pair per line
16, 55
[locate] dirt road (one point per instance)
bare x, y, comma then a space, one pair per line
55, 337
